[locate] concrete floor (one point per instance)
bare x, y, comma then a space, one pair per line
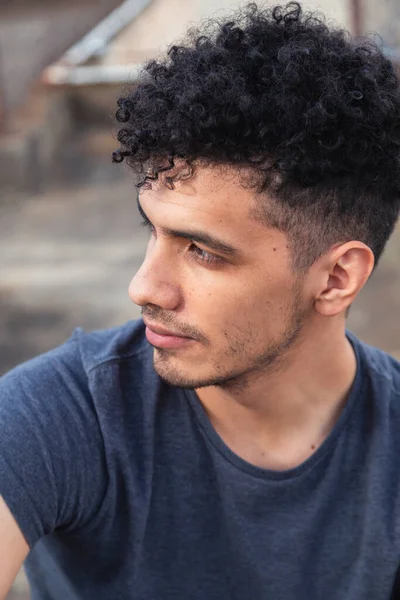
66, 259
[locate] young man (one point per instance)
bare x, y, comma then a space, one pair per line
238, 443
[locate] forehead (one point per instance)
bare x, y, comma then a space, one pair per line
212, 196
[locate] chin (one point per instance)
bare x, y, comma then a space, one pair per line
169, 370
190, 378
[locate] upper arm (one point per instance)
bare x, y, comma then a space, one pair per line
51, 456
13, 549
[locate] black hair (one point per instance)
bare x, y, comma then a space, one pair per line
314, 114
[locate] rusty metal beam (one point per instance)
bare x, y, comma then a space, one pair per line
95, 42
36, 33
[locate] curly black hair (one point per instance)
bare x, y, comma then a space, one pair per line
313, 113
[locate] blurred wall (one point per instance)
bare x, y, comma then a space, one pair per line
338, 10
34, 33
166, 21
384, 18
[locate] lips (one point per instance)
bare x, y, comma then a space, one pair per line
161, 330
163, 338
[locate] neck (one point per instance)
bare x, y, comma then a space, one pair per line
281, 417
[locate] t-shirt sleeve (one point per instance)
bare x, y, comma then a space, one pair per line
52, 466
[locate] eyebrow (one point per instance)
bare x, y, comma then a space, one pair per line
201, 237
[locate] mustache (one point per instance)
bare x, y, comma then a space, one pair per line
158, 317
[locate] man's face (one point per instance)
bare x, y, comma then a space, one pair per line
237, 301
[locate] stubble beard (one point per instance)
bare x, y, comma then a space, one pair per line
268, 360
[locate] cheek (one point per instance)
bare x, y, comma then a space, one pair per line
222, 303
210, 302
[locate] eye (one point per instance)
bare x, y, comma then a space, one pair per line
196, 253
204, 256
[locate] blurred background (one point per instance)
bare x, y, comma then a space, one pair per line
70, 239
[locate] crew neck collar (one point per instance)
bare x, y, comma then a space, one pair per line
217, 442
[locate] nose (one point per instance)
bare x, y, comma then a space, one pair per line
156, 280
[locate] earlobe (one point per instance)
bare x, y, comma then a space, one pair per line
325, 305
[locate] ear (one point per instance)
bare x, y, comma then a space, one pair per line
344, 271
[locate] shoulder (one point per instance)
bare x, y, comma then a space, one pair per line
105, 346
55, 428
61, 385
381, 368
82, 353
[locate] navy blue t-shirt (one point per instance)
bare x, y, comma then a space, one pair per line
124, 490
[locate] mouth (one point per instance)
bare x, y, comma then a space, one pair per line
163, 338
